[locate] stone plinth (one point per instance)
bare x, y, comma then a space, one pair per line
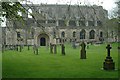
109, 64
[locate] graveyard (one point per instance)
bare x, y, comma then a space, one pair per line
26, 64
61, 39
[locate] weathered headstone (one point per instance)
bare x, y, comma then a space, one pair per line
83, 51
63, 49
28, 47
73, 45
55, 49
108, 64
22, 46
3, 48
17, 47
51, 48
35, 49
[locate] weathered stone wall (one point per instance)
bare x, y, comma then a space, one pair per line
52, 20
11, 37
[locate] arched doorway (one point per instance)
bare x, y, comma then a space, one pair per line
42, 41
101, 34
63, 34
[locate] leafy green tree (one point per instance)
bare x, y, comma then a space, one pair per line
11, 9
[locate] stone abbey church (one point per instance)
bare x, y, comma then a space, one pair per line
56, 24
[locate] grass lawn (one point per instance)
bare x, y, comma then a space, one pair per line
25, 64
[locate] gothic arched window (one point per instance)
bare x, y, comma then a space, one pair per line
72, 23
18, 35
82, 34
92, 34
74, 34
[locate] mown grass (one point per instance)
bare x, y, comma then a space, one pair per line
25, 64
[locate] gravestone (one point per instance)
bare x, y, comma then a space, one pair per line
17, 47
63, 49
22, 45
73, 45
108, 64
83, 51
55, 49
28, 47
51, 48
2, 48
35, 49
20, 48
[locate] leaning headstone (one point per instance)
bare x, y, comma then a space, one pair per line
63, 49
83, 51
108, 64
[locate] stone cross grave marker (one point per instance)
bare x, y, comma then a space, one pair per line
108, 64
108, 50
